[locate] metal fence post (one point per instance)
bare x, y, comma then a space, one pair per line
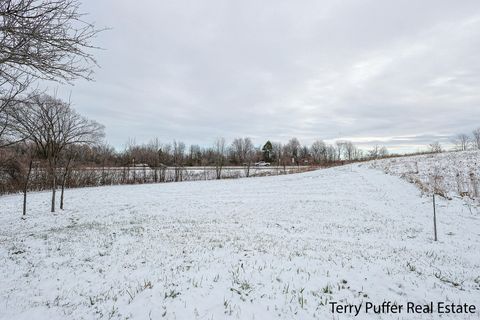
434, 219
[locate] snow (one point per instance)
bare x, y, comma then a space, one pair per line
451, 174
254, 248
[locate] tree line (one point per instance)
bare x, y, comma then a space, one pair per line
59, 144
460, 142
465, 142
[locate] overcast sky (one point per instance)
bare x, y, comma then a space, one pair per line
401, 73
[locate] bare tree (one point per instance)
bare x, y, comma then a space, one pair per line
195, 155
358, 153
340, 147
103, 153
378, 152
462, 141
243, 152
178, 154
292, 149
52, 125
28, 172
349, 150
331, 153
68, 160
383, 152
278, 153
374, 152
164, 157
476, 138
318, 151
248, 154
304, 154
154, 157
435, 147
285, 156
219, 156
237, 150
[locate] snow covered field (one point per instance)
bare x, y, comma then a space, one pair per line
450, 174
257, 248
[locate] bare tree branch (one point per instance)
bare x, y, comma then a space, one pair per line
40, 40
44, 39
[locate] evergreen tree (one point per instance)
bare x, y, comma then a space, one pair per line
267, 152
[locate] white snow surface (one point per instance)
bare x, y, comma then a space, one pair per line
255, 248
451, 174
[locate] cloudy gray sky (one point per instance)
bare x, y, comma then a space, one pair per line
402, 73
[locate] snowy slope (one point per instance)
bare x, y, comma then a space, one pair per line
258, 248
450, 174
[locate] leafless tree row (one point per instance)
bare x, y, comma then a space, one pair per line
242, 151
61, 144
461, 142
465, 142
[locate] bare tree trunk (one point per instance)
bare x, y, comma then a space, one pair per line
53, 166
61, 193
434, 219
134, 172
218, 170
64, 180
103, 174
25, 187
163, 174
54, 189
155, 177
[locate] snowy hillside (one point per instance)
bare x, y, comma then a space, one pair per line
449, 174
258, 248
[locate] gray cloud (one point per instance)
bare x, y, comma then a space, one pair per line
365, 70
